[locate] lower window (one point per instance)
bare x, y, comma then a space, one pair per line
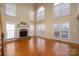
62, 30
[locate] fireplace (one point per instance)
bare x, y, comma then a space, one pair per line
23, 32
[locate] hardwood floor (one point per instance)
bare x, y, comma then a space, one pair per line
40, 47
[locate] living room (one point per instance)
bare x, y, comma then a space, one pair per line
47, 24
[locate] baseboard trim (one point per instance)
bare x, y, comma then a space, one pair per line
73, 42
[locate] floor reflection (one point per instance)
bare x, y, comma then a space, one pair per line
61, 49
10, 49
41, 44
41, 47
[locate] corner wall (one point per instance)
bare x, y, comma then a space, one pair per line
50, 20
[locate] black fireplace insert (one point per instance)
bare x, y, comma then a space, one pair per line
23, 32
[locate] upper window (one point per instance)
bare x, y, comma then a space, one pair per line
61, 9
10, 9
31, 15
41, 13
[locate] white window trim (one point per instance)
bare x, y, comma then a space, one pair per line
61, 33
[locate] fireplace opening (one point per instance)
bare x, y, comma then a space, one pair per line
23, 32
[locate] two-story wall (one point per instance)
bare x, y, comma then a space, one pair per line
22, 14
50, 20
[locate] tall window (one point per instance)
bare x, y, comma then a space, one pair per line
65, 30
10, 29
31, 15
41, 13
41, 30
57, 30
61, 9
10, 9
31, 30
62, 30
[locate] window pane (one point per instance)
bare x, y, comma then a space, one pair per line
65, 10
10, 9
57, 27
65, 35
65, 30
41, 13
31, 14
66, 27
57, 34
56, 11
57, 30
61, 9
65, 5
10, 29
41, 30
31, 30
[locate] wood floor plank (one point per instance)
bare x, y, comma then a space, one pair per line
40, 47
